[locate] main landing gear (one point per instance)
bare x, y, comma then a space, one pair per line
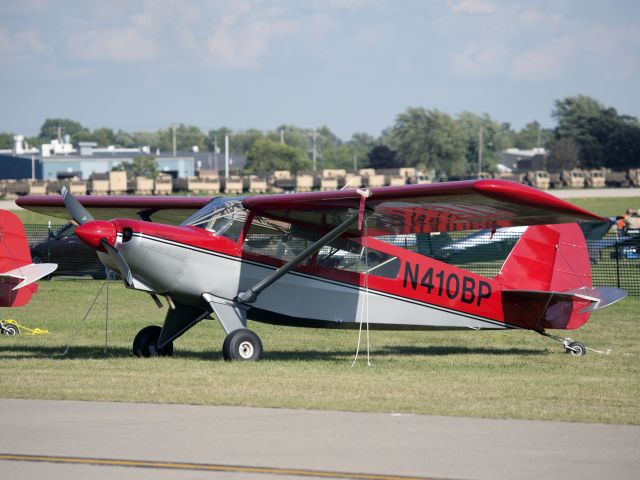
576, 349
146, 343
242, 345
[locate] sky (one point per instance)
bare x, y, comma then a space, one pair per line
352, 65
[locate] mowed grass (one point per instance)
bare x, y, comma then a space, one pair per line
511, 374
493, 374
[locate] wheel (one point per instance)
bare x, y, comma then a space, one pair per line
242, 345
146, 343
576, 348
10, 329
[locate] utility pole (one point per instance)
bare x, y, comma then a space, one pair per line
174, 143
282, 136
480, 152
226, 156
216, 150
314, 153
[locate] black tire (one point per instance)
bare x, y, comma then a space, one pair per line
10, 329
146, 343
242, 345
576, 349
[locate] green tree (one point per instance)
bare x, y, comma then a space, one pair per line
564, 154
6, 140
104, 136
495, 138
429, 139
381, 156
142, 139
532, 135
338, 157
34, 141
187, 136
242, 142
124, 139
603, 137
52, 126
139, 167
267, 156
293, 136
217, 135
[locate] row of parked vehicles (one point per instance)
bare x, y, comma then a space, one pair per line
576, 178
210, 182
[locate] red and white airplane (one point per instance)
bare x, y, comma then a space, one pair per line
324, 259
17, 272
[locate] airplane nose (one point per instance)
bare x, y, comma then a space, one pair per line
92, 232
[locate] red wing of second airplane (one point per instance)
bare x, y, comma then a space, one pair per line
328, 259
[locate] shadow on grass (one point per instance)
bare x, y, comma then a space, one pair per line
433, 351
19, 352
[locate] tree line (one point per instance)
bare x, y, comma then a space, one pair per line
588, 134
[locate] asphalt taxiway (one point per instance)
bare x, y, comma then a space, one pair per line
70, 439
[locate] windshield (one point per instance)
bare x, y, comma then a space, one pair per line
220, 216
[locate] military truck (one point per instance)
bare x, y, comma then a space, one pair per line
594, 178
537, 178
617, 179
573, 178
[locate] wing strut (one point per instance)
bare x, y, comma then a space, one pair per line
251, 295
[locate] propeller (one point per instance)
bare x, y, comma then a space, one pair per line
74, 207
92, 233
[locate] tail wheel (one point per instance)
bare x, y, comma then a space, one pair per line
242, 345
146, 343
10, 329
577, 349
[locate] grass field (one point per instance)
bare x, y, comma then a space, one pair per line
515, 374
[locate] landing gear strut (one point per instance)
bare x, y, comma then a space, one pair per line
146, 343
243, 345
576, 349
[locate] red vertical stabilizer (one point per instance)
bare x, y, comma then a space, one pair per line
14, 253
546, 259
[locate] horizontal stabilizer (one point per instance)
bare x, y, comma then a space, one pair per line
598, 297
28, 274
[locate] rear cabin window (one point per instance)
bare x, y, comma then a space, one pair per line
351, 256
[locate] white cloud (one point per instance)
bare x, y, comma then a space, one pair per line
20, 45
246, 32
241, 45
546, 62
480, 60
125, 44
472, 6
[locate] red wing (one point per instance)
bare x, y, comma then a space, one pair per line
440, 207
169, 210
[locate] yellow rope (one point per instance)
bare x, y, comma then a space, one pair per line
25, 330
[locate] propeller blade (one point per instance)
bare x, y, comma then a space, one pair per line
74, 207
123, 266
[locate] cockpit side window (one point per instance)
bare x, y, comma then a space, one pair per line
276, 239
